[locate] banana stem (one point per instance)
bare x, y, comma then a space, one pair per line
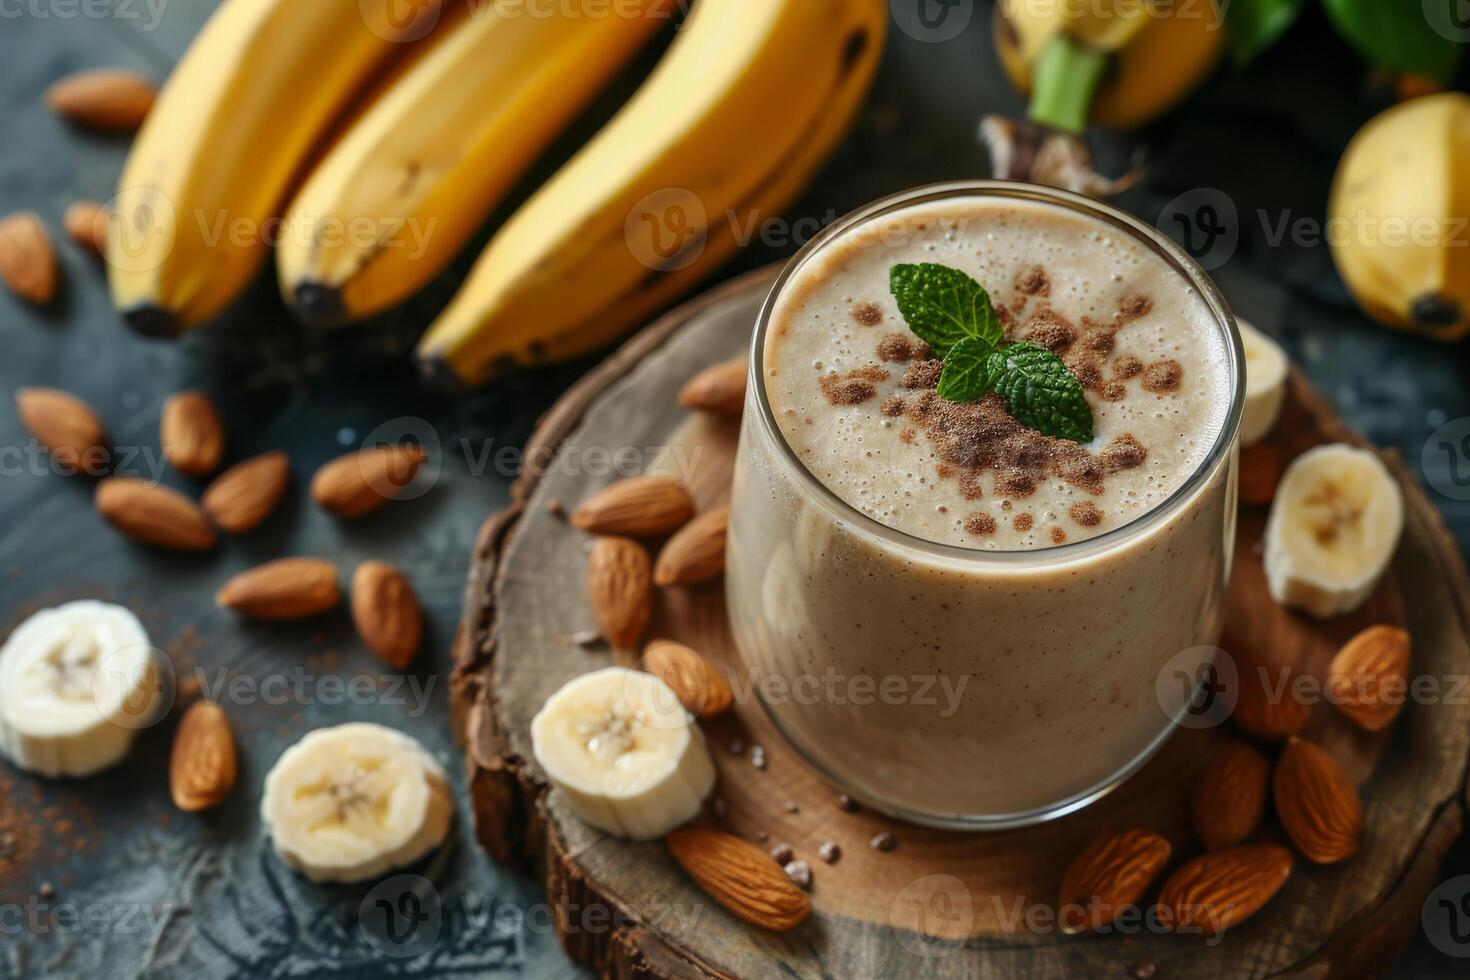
1063, 83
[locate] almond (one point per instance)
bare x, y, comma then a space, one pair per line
1260, 472
741, 877
85, 223
289, 588
386, 612
361, 482
153, 514
719, 390
1109, 877
1222, 888
620, 589
1317, 803
1267, 705
246, 493
1368, 679
639, 507
1230, 797
192, 434
701, 688
201, 772
696, 552
66, 426
27, 260
111, 99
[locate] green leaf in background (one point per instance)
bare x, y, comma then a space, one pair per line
1255, 25
1421, 36
1041, 393
943, 306
967, 374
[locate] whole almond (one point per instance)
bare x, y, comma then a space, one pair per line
192, 434
1230, 797
27, 259
741, 877
85, 223
1267, 705
153, 514
361, 482
620, 589
719, 390
1317, 803
246, 493
701, 688
201, 772
386, 611
66, 426
288, 588
1108, 877
1222, 888
639, 507
696, 552
1260, 472
111, 99
1368, 679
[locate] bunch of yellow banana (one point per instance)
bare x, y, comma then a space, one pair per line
1398, 216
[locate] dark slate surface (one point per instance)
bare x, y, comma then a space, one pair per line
102, 879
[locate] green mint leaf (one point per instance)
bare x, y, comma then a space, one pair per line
1254, 25
968, 371
943, 306
1041, 393
1416, 37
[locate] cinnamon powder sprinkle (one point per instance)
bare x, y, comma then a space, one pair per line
907, 435
1123, 453
1033, 282
1085, 512
1114, 391
893, 407
1051, 330
1162, 377
1023, 521
1127, 366
853, 388
980, 524
868, 314
898, 349
1058, 535
1135, 305
922, 374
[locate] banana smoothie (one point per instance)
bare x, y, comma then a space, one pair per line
985, 496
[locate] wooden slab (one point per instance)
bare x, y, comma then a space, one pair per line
941, 904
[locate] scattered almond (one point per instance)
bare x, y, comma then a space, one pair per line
192, 434
719, 390
1260, 472
246, 493
1108, 877
701, 688
361, 482
696, 552
66, 426
201, 772
386, 611
1267, 705
620, 589
1368, 679
1222, 888
154, 514
1317, 803
85, 223
639, 507
289, 588
740, 876
27, 260
1231, 795
111, 99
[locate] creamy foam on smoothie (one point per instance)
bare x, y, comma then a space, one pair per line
852, 389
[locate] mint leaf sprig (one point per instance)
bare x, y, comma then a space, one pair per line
952, 313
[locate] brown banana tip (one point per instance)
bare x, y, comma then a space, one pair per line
152, 321
318, 304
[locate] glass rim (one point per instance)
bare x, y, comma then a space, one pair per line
1149, 236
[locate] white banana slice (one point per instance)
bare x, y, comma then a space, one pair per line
353, 801
1333, 527
626, 755
76, 684
1265, 383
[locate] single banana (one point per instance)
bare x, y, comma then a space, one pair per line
354, 801
77, 682
1398, 216
1265, 383
1334, 525
749, 100
624, 753
417, 174
206, 177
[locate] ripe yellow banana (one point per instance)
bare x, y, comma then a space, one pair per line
415, 176
1397, 216
748, 102
206, 177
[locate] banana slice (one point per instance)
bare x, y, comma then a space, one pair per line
1333, 528
351, 802
1265, 383
625, 754
76, 683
